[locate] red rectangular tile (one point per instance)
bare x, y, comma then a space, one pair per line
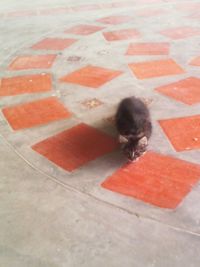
183, 133
118, 35
195, 61
75, 147
22, 13
84, 29
35, 113
148, 49
91, 76
147, 12
186, 91
86, 7
114, 20
181, 32
157, 179
54, 43
25, 84
32, 62
156, 68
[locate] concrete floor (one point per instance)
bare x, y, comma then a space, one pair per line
52, 217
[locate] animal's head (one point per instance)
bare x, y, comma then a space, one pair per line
133, 148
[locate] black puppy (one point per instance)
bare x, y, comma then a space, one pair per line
134, 126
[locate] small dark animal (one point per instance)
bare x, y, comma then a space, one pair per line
134, 126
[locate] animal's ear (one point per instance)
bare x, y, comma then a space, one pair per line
143, 141
122, 139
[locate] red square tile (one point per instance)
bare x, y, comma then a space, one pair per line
181, 32
84, 29
147, 12
54, 43
156, 179
157, 68
75, 147
183, 133
195, 61
148, 49
186, 91
114, 20
91, 76
35, 113
121, 35
25, 84
32, 62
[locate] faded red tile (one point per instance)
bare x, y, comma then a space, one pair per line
22, 13
75, 147
157, 179
188, 6
183, 133
25, 84
124, 34
181, 32
92, 103
195, 61
86, 7
114, 20
54, 43
157, 68
32, 62
148, 49
186, 91
147, 12
84, 29
91, 76
35, 113
194, 15
55, 11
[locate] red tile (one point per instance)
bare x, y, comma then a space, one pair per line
195, 15
181, 32
25, 84
54, 43
114, 20
195, 61
157, 68
84, 29
188, 6
147, 12
148, 49
156, 179
76, 147
121, 35
186, 91
86, 7
35, 113
183, 133
32, 62
91, 76
22, 13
